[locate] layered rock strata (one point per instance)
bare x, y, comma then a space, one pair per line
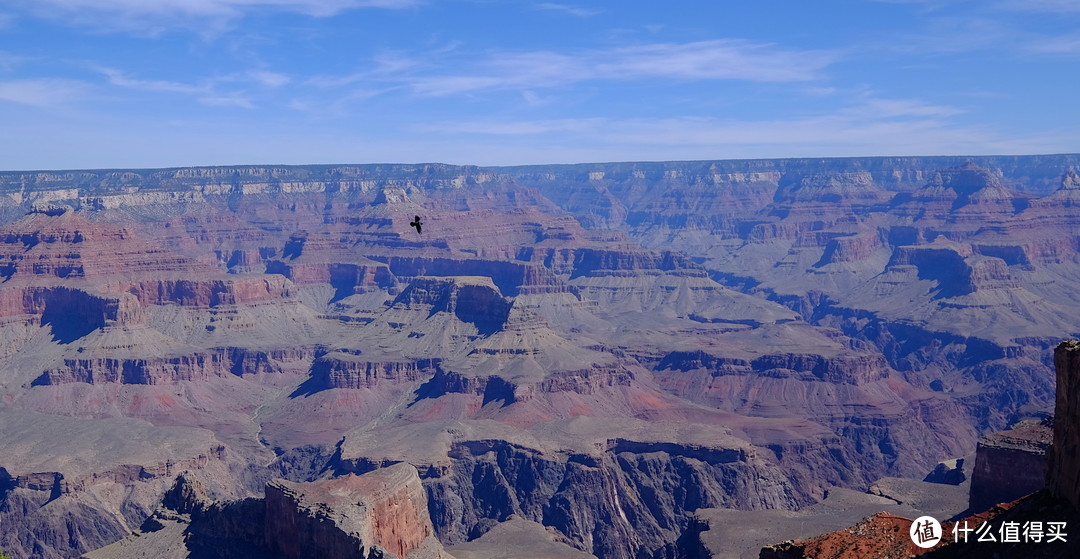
1010, 464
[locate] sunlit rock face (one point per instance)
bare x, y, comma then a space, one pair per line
599, 349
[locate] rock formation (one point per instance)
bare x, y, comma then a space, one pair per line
602, 349
1010, 464
1063, 477
351, 517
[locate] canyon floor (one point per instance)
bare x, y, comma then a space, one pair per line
592, 359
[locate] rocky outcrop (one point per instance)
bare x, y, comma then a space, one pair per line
471, 299
56, 484
1010, 464
1011, 467
1063, 479
345, 370
511, 278
379, 515
849, 369
351, 517
71, 309
220, 362
881, 535
204, 293
634, 498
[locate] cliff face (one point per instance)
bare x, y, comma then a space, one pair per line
379, 515
1010, 464
1063, 478
635, 498
350, 517
1019, 478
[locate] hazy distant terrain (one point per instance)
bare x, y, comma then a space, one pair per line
599, 349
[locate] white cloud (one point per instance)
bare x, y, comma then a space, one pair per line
9, 61
121, 79
572, 10
1067, 44
873, 126
1053, 6
724, 59
42, 92
220, 7
207, 17
890, 108
206, 92
228, 100
269, 79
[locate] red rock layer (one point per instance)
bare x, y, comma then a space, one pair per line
344, 518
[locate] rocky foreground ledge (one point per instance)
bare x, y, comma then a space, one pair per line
1006, 463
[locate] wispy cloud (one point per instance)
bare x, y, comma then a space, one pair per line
1066, 44
228, 100
9, 61
567, 9
207, 92
43, 92
153, 17
268, 78
1051, 6
221, 7
877, 126
118, 78
898, 108
724, 59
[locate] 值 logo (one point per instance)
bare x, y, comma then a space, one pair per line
925, 532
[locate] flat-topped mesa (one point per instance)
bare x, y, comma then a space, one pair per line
349, 277
42, 247
965, 180
346, 370
207, 292
350, 516
851, 248
496, 388
70, 308
41, 250
1063, 477
977, 195
958, 269
851, 368
472, 299
944, 263
168, 369
853, 188
511, 278
57, 483
593, 262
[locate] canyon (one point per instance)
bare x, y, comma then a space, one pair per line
591, 359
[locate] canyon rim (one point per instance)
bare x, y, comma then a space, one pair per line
577, 358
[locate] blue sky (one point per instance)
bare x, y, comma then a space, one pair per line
155, 83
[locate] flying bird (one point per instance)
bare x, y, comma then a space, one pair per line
416, 223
